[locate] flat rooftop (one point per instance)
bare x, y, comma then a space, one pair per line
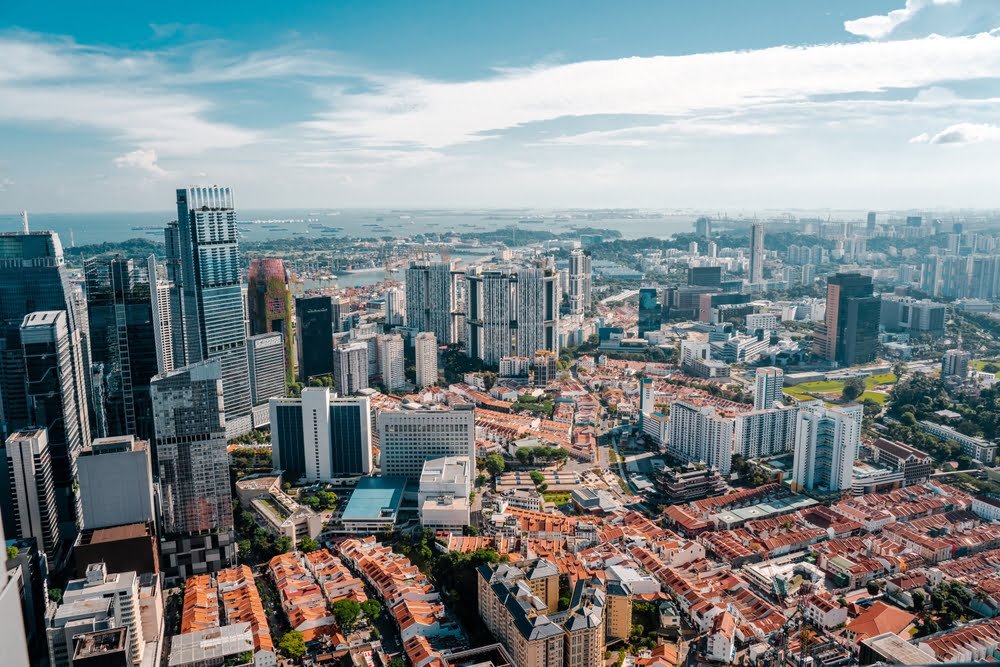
375, 498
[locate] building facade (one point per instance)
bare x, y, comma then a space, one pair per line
580, 281
314, 343
408, 438
269, 305
425, 352
431, 300
826, 444
849, 333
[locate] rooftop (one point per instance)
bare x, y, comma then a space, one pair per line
375, 498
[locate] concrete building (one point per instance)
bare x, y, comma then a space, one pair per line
580, 279
314, 336
116, 483
408, 438
212, 294
102, 648
443, 495
431, 299
826, 444
350, 368
266, 357
163, 305
972, 446
915, 465
195, 496
13, 633
425, 351
121, 591
768, 384
395, 306
701, 434
56, 394
536, 293
955, 363
762, 433
32, 493
546, 367
390, 361
903, 313
849, 334
756, 273
320, 436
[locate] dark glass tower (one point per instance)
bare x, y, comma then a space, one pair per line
123, 343
849, 334
314, 315
649, 310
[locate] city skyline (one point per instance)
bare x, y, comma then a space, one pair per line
846, 104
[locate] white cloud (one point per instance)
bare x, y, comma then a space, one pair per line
961, 134
921, 18
5, 184
418, 112
140, 159
650, 134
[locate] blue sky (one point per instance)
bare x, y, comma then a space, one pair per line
723, 105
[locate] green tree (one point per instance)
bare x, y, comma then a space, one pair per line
346, 613
495, 464
853, 388
293, 645
371, 608
308, 544
283, 544
397, 662
56, 595
12, 552
536, 477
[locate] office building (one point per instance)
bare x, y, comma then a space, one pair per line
390, 361
350, 368
705, 276
164, 309
212, 294
266, 358
314, 316
870, 223
701, 434
269, 305
114, 593
32, 510
649, 311
13, 647
431, 300
320, 436
849, 333
130, 547
122, 344
395, 306
756, 253
426, 356
955, 363
443, 493
56, 400
32, 278
580, 280
703, 227
408, 438
343, 318
915, 465
116, 482
903, 313
768, 384
102, 648
195, 497
546, 367
826, 444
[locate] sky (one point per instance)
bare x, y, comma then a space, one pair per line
725, 105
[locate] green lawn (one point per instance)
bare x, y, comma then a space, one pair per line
979, 363
557, 497
808, 390
881, 378
876, 396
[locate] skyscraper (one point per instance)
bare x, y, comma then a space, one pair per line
269, 305
395, 306
123, 343
13, 648
489, 307
870, 225
703, 227
321, 436
579, 281
116, 483
431, 301
407, 438
53, 378
849, 334
757, 253
29, 467
350, 368
164, 310
537, 311
211, 294
768, 387
266, 358
705, 276
826, 443
701, 434
649, 310
425, 350
32, 277
390, 361
315, 335
195, 497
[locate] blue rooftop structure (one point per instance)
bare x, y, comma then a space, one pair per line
375, 499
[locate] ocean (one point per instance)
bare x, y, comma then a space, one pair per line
260, 225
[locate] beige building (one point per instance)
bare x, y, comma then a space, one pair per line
519, 604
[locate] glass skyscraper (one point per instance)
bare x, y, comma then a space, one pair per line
123, 343
206, 246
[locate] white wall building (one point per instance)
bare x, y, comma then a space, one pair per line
390, 361
826, 444
426, 353
768, 385
408, 438
443, 496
